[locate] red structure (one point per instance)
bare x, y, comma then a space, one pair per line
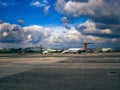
85, 46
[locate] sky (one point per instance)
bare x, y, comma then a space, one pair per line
59, 23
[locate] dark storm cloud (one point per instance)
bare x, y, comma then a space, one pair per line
104, 26
107, 11
102, 35
80, 27
113, 19
115, 28
81, 0
98, 29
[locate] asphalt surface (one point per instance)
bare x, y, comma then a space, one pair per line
99, 71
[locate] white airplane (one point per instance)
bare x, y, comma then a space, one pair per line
72, 50
49, 51
77, 50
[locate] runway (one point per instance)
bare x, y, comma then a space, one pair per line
87, 71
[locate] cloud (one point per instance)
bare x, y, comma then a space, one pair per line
37, 4
57, 37
36, 34
100, 10
20, 21
5, 34
64, 19
46, 10
64, 38
29, 38
13, 33
104, 13
41, 3
6, 3
60, 5
73, 8
45, 1
90, 28
65, 22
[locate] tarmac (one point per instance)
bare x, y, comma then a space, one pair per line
86, 71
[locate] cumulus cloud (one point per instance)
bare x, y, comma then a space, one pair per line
74, 38
5, 34
65, 22
64, 19
105, 14
29, 38
36, 34
13, 33
59, 37
72, 8
65, 38
100, 10
60, 5
90, 28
